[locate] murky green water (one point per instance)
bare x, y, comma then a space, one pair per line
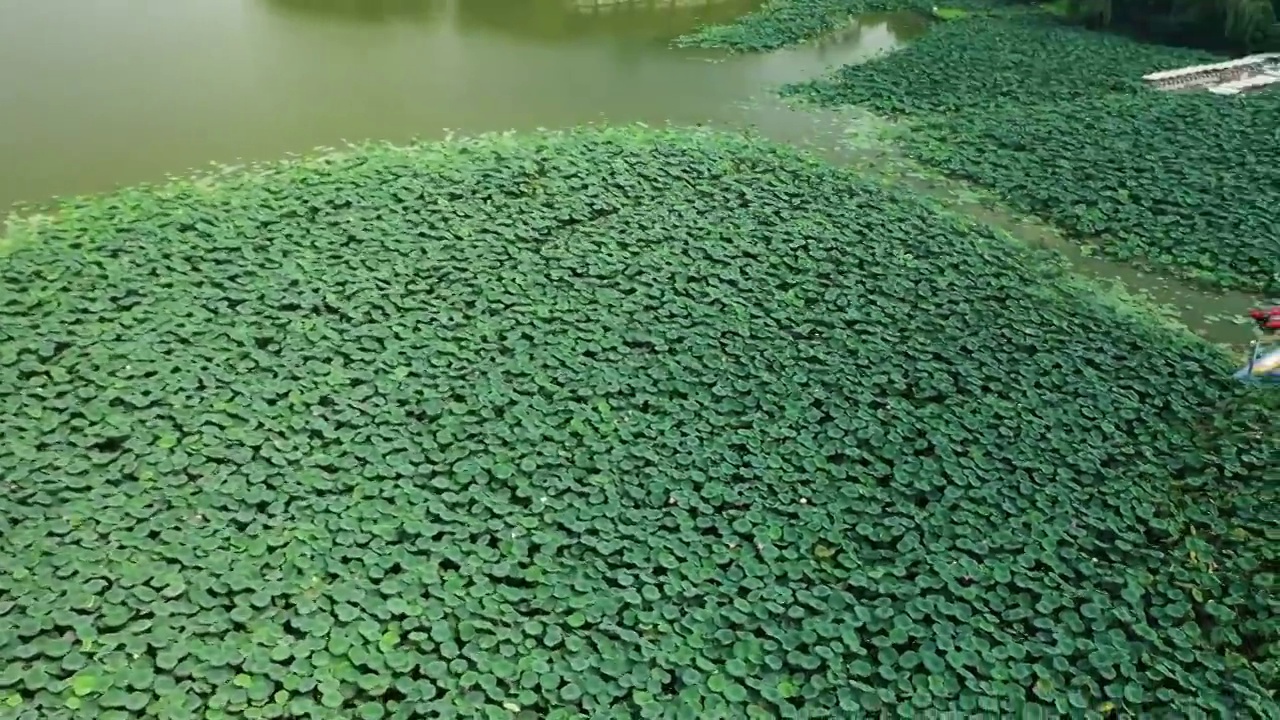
95, 94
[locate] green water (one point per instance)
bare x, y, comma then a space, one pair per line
96, 94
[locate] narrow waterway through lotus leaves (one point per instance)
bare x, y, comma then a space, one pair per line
103, 93
1216, 315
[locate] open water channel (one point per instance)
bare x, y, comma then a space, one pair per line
95, 94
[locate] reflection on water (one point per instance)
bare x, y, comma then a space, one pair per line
618, 20
863, 39
373, 11
870, 34
101, 93
535, 17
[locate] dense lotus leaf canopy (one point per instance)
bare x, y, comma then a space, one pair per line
1057, 121
605, 424
779, 23
1186, 183
1019, 61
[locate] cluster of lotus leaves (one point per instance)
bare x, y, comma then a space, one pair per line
604, 424
1058, 122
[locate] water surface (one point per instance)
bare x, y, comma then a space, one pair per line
95, 94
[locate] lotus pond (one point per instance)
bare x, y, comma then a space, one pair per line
618, 422
108, 95
1056, 121
606, 424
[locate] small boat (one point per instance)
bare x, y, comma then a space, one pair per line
1263, 362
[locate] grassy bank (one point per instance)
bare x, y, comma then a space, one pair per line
603, 424
1056, 121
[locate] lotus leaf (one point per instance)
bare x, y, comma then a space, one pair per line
799, 444
1057, 121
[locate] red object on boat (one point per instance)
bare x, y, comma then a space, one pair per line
1267, 319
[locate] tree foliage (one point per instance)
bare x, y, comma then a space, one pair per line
1243, 24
